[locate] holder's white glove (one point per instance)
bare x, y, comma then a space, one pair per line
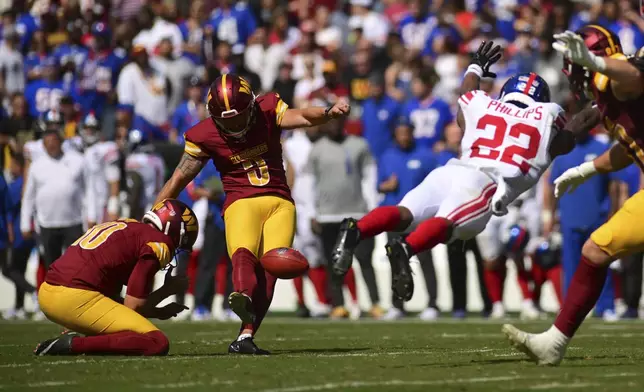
573, 177
572, 46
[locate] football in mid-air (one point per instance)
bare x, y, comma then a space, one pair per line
284, 263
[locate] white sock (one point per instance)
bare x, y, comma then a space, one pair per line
528, 303
244, 336
557, 337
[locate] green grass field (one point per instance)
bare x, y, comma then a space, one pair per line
335, 356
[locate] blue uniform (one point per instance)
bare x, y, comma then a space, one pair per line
582, 212
196, 36
5, 207
379, 117
414, 30
15, 191
98, 76
443, 31
43, 95
214, 206
234, 26
33, 61
26, 26
444, 156
410, 167
429, 119
69, 52
184, 117
629, 35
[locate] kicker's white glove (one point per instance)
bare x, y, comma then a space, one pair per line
572, 46
573, 177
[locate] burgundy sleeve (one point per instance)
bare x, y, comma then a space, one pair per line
142, 278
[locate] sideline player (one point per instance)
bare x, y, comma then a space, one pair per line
507, 145
82, 289
243, 138
596, 68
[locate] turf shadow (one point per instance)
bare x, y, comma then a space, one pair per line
335, 350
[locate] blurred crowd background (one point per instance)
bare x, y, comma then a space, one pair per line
134, 73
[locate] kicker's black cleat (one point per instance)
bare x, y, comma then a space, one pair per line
246, 346
402, 280
242, 305
61, 345
347, 241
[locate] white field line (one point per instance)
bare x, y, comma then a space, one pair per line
559, 385
178, 385
362, 384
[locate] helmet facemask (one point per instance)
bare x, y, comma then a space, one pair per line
235, 124
579, 78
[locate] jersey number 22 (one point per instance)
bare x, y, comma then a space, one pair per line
500, 132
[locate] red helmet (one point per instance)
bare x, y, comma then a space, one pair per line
601, 42
175, 220
231, 104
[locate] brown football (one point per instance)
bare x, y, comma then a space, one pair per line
284, 263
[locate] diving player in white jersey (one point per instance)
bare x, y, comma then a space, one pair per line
101, 158
508, 143
148, 164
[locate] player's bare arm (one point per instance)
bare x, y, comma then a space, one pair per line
575, 129
187, 169
308, 117
625, 78
486, 55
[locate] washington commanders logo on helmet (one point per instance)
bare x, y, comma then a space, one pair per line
601, 42
231, 104
176, 220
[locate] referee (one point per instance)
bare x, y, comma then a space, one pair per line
54, 194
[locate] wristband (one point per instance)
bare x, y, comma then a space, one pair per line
587, 169
327, 110
113, 205
475, 69
598, 62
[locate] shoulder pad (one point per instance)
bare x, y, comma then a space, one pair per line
161, 251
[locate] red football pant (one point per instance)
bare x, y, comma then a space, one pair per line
428, 234
221, 275
320, 280
523, 279
122, 343
379, 220
494, 280
250, 278
350, 282
298, 283
586, 286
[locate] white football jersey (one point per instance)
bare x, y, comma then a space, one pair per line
101, 160
34, 149
151, 168
296, 150
508, 141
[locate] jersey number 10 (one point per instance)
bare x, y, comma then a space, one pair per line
98, 234
507, 154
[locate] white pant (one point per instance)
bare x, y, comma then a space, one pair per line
305, 241
460, 193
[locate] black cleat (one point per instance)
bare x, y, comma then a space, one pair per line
402, 280
61, 345
242, 305
347, 241
246, 346
302, 311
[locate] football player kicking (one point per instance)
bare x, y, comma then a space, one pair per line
507, 144
597, 69
242, 137
82, 289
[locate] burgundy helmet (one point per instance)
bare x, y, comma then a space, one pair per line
175, 220
231, 104
601, 42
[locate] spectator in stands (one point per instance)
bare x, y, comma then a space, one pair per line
177, 70
21, 248
307, 84
155, 28
54, 191
338, 190
232, 22
328, 35
379, 115
373, 25
12, 70
416, 26
39, 51
284, 85
401, 168
306, 51
624, 21
399, 74
19, 124
72, 54
428, 115
148, 166
143, 93
581, 212
26, 23
192, 32
44, 94
332, 88
190, 111
357, 78
99, 73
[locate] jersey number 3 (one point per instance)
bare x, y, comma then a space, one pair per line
257, 171
98, 234
507, 155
